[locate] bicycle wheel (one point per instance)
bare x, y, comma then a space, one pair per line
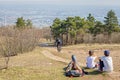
59, 48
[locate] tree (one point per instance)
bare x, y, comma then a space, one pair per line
20, 23
90, 23
111, 22
55, 28
29, 23
81, 28
70, 28
98, 29
7, 47
73, 29
91, 20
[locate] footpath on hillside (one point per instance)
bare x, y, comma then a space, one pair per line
57, 58
51, 56
114, 75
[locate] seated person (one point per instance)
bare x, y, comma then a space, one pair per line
106, 63
73, 68
90, 60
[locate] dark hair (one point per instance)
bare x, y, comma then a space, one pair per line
91, 52
106, 52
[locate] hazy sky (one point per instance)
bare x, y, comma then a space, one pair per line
64, 2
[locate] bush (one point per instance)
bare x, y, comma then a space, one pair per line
88, 38
14, 41
100, 38
115, 37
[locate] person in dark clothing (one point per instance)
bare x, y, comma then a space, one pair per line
58, 42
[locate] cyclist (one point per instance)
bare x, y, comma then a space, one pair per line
58, 44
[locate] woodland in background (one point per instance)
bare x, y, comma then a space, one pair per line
18, 39
23, 37
75, 30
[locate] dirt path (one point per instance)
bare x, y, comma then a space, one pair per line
113, 75
51, 56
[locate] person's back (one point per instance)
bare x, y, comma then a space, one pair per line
107, 61
108, 64
58, 42
91, 60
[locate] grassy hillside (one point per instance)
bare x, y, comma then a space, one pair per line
32, 66
35, 66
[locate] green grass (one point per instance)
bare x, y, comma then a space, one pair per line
46, 69
35, 66
26, 73
41, 73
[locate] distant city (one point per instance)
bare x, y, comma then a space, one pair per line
43, 16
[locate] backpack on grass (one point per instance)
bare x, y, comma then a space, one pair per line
73, 73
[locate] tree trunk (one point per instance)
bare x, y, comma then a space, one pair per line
7, 61
67, 38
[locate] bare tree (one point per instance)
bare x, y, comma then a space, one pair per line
14, 41
6, 48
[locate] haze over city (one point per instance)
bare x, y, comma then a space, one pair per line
43, 12
64, 2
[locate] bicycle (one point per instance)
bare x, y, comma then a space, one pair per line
59, 47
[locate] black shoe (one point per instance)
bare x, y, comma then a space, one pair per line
85, 72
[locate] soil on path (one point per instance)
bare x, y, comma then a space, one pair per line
113, 75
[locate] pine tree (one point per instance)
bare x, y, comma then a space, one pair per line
111, 22
20, 23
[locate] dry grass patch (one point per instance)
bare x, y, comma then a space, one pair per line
81, 52
32, 66
35, 66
